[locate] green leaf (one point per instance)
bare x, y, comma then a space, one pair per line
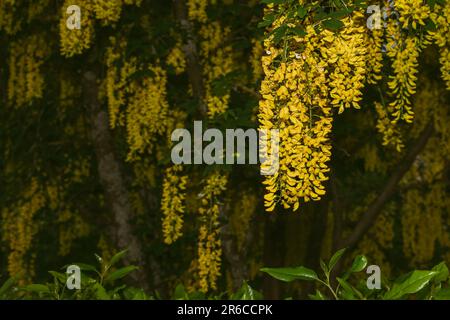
443, 294
59, 276
298, 31
317, 296
335, 258
7, 285
415, 282
324, 267
279, 33
442, 272
301, 12
100, 292
267, 20
348, 290
290, 274
120, 273
180, 293
117, 257
37, 288
332, 24
248, 293
359, 263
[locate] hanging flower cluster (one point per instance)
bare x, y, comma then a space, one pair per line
172, 203
76, 41
26, 81
19, 228
176, 59
216, 58
345, 52
303, 80
209, 244
404, 56
144, 99
441, 17
389, 131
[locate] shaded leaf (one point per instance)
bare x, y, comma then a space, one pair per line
290, 274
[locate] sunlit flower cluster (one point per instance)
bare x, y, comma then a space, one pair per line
402, 84
412, 12
295, 101
345, 53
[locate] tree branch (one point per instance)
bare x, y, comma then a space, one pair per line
389, 189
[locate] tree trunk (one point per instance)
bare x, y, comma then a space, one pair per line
112, 180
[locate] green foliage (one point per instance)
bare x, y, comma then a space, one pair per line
418, 284
98, 282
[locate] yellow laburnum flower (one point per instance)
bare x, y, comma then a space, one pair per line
390, 132
346, 54
295, 101
26, 81
172, 203
76, 41
412, 12
209, 244
197, 10
176, 59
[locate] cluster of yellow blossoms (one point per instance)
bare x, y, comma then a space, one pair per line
216, 58
18, 229
77, 41
298, 92
26, 81
404, 56
345, 53
172, 203
176, 59
7, 22
390, 132
209, 244
197, 10
146, 113
441, 17
412, 12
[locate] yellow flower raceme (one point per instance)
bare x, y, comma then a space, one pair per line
295, 101
76, 41
441, 17
402, 84
346, 54
172, 203
209, 244
197, 10
390, 131
26, 81
18, 230
176, 59
147, 112
412, 12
